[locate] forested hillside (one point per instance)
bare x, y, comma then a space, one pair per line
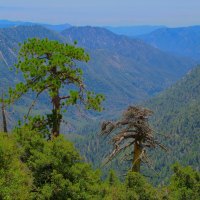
34, 168
180, 41
124, 69
176, 122
176, 115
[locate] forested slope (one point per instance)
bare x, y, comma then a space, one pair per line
177, 117
125, 70
181, 41
176, 124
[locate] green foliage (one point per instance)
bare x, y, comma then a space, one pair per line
15, 177
138, 188
184, 184
38, 60
56, 167
33, 167
112, 178
176, 116
50, 66
135, 188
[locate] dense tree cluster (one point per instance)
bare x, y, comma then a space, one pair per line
34, 168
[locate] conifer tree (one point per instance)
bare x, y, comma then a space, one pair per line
51, 66
132, 135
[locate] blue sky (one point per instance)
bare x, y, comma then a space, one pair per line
103, 12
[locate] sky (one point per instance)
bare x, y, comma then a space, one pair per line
103, 12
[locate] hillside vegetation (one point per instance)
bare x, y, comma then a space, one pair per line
34, 168
176, 122
176, 115
181, 41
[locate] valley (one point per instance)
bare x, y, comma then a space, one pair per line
127, 71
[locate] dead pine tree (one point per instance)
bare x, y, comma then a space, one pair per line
4, 123
131, 134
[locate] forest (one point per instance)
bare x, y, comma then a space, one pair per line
39, 162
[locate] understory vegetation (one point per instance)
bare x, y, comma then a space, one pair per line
34, 168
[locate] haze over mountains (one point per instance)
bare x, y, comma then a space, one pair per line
133, 31
131, 69
58, 27
179, 41
125, 70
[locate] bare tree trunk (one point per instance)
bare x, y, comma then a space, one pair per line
136, 157
3, 115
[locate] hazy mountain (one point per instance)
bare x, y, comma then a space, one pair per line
57, 27
133, 31
180, 41
124, 69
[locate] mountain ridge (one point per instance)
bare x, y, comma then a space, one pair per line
180, 41
139, 70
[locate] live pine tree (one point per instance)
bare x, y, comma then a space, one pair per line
51, 66
131, 135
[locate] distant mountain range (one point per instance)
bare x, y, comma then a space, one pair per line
58, 27
121, 30
133, 31
125, 70
180, 41
183, 41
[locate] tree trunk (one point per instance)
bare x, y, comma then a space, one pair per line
56, 116
136, 158
3, 115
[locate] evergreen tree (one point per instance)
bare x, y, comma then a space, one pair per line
51, 66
